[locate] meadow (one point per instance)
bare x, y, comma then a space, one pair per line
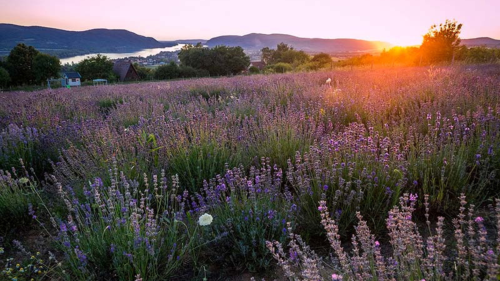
386, 174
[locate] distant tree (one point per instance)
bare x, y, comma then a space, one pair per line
282, 67
168, 71
20, 64
284, 53
4, 78
254, 70
440, 43
144, 72
220, 60
322, 60
69, 67
188, 72
46, 66
96, 67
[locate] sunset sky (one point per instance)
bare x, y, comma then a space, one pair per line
401, 22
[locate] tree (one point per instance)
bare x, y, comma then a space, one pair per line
285, 54
440, 43
4, 77
20, 64
253, 70
322, 60
220, 60
282, 67
144, 72
96, 67
168, 71
46, 66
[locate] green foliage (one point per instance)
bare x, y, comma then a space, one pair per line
4, 78
440, 44
16, 195
254, 70
27, 266
218, 61
478, 54
281, 67
188, 72
322, 60
46, 66
144, 239
168, 71
144, 73
20, 64
248, 214
284, 54
105, 105
96, 67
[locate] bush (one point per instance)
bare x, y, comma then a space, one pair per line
126, 230
281, 67
253, 70
4, 78
248, 210
169, 71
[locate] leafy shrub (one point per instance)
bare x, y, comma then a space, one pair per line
281, 67
253, 70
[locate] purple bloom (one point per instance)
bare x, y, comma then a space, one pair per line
63, 227
413, 197
479, 219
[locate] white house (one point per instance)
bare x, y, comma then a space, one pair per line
71, 79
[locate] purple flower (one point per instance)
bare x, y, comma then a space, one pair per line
63, 227
479, 219
413, 197
325, 187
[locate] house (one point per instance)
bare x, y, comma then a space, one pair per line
71, 79
125, 70
259, 64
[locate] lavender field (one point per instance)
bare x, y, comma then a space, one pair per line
386, 174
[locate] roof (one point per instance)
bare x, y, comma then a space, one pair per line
121, 68
258, 64
72, 75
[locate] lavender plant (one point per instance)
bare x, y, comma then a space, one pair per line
248, 210
412, 257
124, 231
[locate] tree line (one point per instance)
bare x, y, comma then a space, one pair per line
441, 44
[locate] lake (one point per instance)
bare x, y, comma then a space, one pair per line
142, 53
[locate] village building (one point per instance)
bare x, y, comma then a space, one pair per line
125, 70
258, 64
71, 79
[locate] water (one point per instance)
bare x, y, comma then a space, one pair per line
142, 53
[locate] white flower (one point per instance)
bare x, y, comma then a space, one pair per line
205, 219
23, 180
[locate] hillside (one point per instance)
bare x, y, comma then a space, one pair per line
256, 41
57, 40
481, 41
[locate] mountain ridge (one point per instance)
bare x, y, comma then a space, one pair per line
92, 40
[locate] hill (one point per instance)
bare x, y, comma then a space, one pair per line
89, 41
481, 41
256, 41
